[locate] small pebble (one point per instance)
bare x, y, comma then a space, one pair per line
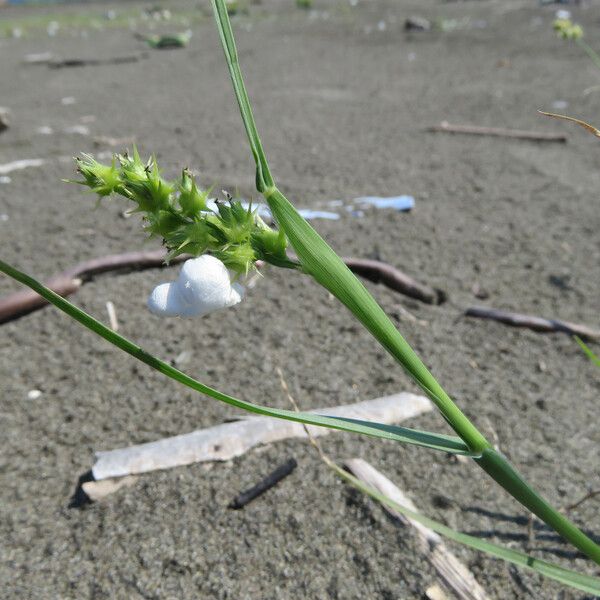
441, 501
33, 394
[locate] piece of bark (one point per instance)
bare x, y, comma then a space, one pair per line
534, 323
453, 573
271, 480
24, 302
92, 62
519, 134
229, 440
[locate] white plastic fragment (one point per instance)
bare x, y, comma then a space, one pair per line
78, 129
33, 394
38, 57
16, 165
203, 286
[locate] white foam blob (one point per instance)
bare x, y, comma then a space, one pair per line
203, 286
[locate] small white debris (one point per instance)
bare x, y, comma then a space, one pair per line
67, 100
435, 592
44, 130
78, 129
183, 358
3, 217
38, 58
203, 286
16, 165
112, 316
33, 394
381, 26
563, 15
5, 179
560, 105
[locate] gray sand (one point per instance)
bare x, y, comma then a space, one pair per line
342, 108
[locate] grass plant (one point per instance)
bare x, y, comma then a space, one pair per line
178, 212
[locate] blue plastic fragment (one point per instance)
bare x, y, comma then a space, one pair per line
309, 214
401, 203
263, 211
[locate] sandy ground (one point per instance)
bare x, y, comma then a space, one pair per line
342, 97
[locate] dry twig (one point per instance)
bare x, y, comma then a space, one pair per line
534, 323
66, 283
518, 134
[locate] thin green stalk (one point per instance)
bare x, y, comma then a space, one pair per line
495, 465
595, 359
585, 583
320, 261
328, 269
589, 51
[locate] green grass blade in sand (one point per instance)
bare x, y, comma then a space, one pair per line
588, 352
327, 268
585, 583
416, 437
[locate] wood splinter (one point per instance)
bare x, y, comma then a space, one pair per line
538, 324
271, 480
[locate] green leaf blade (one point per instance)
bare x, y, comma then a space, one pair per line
585, 583
396, 433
